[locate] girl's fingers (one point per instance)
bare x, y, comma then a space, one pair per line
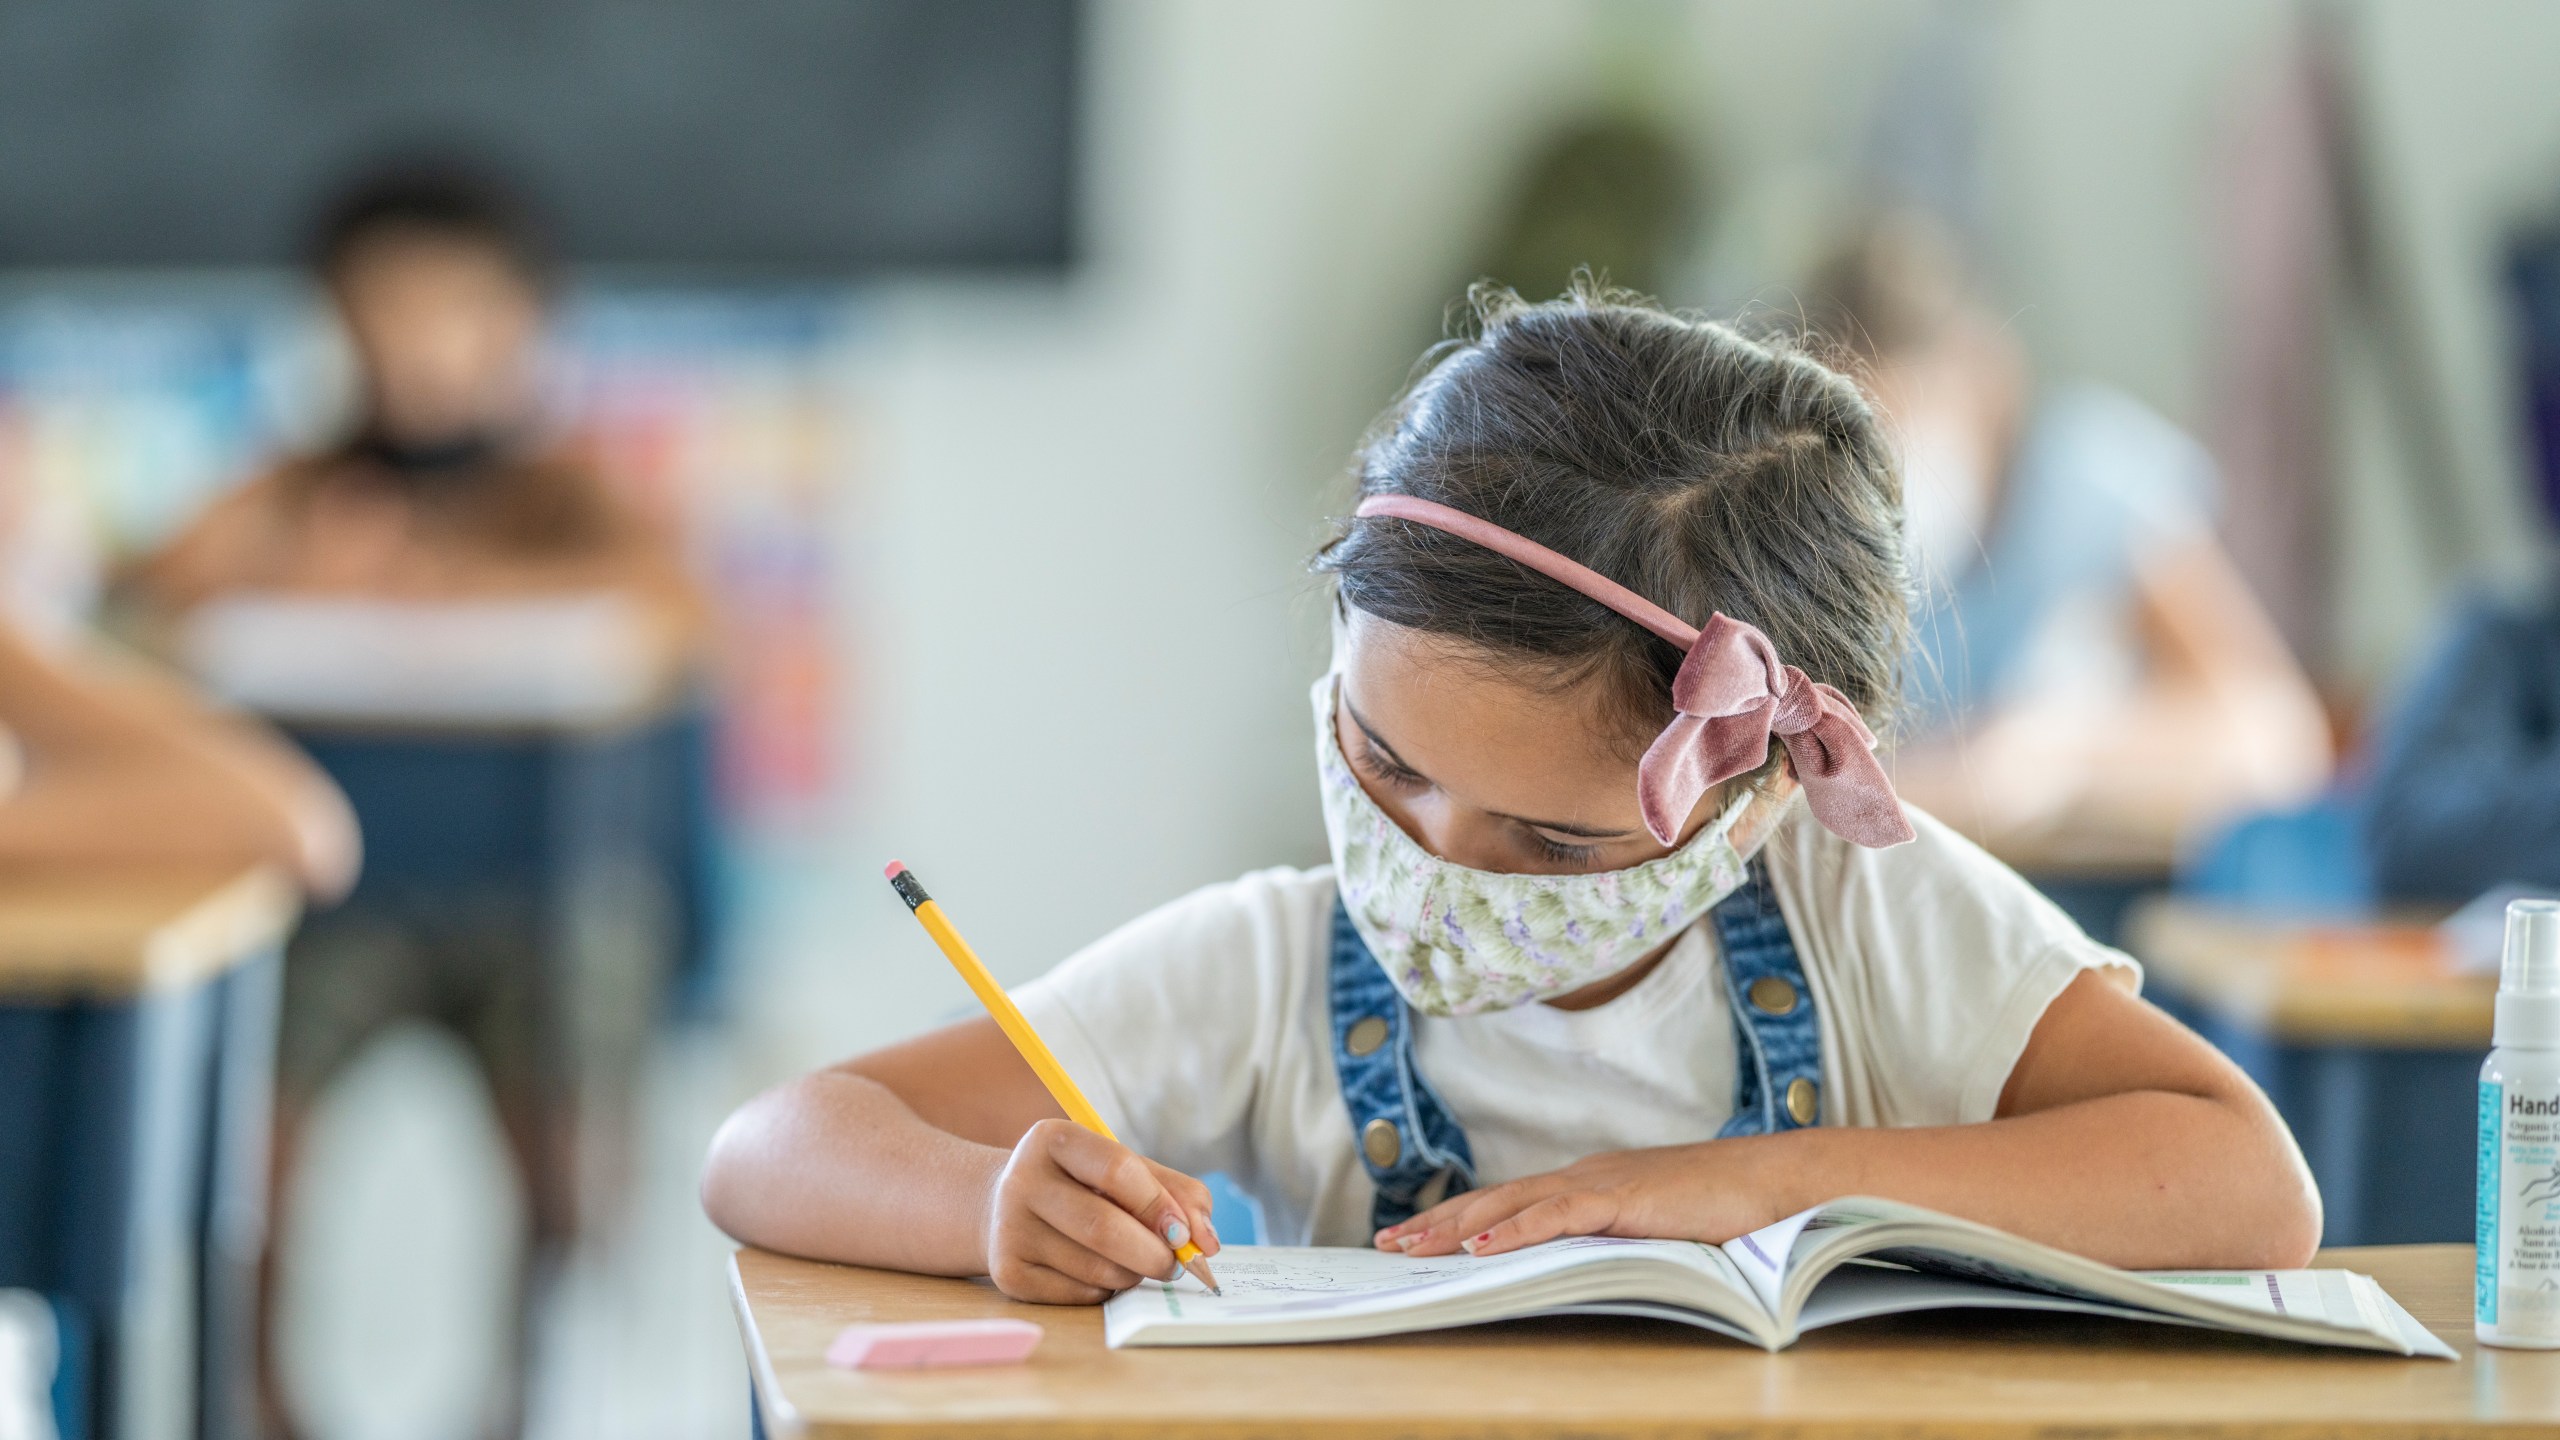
1101, 1229
1118, 1174
1063, 1253
1440, 1216
1046, 1285
1194, 1199
1438, 1231
1575, 1212
1441, 1229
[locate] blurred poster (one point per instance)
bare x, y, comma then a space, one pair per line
741, 421
118, 419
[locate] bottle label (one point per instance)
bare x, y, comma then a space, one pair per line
2484, 1287
2520, 1210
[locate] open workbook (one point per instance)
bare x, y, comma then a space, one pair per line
1847, 1260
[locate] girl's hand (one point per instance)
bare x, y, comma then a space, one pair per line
1073, 1217
1711, 1192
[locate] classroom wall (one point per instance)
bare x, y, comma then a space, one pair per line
1076, 598
2467, 142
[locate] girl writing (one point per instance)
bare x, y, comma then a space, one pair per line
1625, 932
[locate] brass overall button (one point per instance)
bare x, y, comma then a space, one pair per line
1380, 1142
1804, 1101
1367, 1034
1772, 996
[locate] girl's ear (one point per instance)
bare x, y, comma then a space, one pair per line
1770, 798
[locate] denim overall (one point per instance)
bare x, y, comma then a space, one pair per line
1406, 1135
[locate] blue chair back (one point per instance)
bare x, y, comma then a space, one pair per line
2307, 863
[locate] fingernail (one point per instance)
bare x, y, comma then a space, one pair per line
1469, 1244
1176, 1234
1407, 1242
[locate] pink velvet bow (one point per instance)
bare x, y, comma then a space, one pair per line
1731, 694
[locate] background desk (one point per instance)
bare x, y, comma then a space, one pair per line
599, 824
2096, 879
2365, 1036
137, 1042
1977, 1375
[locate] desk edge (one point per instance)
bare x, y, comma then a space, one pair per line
781, 1420
251, 913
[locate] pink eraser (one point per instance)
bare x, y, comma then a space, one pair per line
929, 1344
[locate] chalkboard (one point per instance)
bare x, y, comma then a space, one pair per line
792, 136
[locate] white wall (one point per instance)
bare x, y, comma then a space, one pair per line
1080, 622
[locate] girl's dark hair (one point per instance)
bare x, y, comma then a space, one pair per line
1705, 469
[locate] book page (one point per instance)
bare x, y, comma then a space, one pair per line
2350, 1302
1768, 1256
1963, 1263
1306, 1287
1761, 1257
2322, 1297
2331, 1297
1278, 1279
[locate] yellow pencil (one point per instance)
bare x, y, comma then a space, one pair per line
1009, 1019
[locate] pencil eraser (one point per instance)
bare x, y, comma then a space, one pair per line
932, 1344
894, 869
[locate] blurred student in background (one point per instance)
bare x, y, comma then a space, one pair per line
2466, 780
449, 484
2093, 678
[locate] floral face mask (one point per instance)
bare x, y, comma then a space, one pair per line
1456, 941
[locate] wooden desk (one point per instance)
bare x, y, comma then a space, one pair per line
2387, 983
1946, 1375
2365, 1035
137, 1044
111, 935
2097, 879
2084, 853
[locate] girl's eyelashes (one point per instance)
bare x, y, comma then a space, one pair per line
1384, 770
1559, 853
1370, 760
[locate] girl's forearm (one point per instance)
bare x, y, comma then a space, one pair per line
2145, 1180
834, 1166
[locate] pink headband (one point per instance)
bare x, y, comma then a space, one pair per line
1731, 695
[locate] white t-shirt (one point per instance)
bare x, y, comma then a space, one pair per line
1202, 1031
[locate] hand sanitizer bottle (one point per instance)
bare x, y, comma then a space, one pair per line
2517, 1290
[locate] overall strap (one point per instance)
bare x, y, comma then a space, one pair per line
1777, 1083
1406, 1136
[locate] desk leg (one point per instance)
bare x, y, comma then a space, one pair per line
2335, 1096
178, 1055
108, 1223
232, 1212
